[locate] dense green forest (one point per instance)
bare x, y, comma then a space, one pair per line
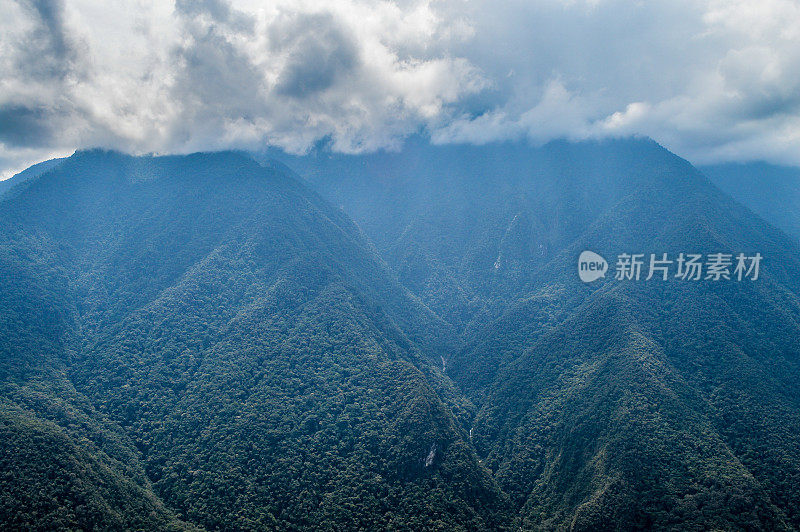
630, 405
239, 355
203, 342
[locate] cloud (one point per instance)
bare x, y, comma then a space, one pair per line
47, 52
713, 80
710, 79
21, 126
319, 52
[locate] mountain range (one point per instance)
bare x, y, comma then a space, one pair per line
396, 340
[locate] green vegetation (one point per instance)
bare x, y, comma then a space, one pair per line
202, 342
611, 405
254, 364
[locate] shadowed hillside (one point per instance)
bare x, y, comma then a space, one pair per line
258, 361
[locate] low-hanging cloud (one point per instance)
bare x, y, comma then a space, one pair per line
711, 79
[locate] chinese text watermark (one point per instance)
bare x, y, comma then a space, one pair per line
663, 266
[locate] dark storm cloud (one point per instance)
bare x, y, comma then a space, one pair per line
47, 52
24, 127
319, 53
213, 77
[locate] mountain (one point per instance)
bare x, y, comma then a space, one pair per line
613, 405
653, 403
34, 171
203, 342
771, 191
200, 341
466, 226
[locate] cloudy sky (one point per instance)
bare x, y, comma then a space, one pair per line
712, 80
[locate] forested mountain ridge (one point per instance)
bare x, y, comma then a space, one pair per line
467, 227
614, 404
29, 173
260, 363
660, 403
202, 342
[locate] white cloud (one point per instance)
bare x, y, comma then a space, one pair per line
712, 80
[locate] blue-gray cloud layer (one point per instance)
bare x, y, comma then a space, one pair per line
711, 79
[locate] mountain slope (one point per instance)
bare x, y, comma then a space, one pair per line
465, 226
29, 173
771, 191
262, 360
611, 405
239, 357
64, 465
650, 403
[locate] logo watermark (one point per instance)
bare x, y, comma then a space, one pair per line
591, 266
684, 267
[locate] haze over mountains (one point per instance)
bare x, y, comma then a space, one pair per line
204, 342
772, 191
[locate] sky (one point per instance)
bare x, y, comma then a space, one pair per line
711, 80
